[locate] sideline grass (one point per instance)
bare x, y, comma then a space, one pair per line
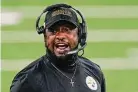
116, 80
95, 50
72, 2
92, 23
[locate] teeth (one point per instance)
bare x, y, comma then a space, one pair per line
61, 44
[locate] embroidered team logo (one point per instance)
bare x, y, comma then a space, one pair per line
91, 83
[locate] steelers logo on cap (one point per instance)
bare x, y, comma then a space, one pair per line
91, 83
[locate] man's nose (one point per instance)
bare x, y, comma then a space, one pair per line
60, 37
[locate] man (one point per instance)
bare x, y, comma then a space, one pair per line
61, 69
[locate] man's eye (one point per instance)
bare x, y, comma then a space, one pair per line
52, 30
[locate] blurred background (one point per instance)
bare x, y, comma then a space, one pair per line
112, 38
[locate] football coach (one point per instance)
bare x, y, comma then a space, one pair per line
61, 69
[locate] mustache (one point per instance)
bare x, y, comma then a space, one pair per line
67, 39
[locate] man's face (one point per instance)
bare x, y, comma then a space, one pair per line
61, 39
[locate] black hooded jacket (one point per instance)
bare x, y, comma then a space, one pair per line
41, 76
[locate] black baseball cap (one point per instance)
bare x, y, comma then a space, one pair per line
61, 14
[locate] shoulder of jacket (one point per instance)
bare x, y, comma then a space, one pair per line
90, 63
35, 65
25, 75
95, 68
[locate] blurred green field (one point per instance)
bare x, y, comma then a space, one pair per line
117, 80
93, 23
16, 3
93, 50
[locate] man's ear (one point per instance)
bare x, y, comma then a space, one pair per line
45, 36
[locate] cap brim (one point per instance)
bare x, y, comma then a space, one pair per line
60, 20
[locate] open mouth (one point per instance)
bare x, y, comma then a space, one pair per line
61, 48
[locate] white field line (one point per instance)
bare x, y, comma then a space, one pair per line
131, 62
105, 63
109, 35
10, 18
115, 11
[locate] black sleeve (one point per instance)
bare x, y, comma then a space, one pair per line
21, 84
102, 78
103, 84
